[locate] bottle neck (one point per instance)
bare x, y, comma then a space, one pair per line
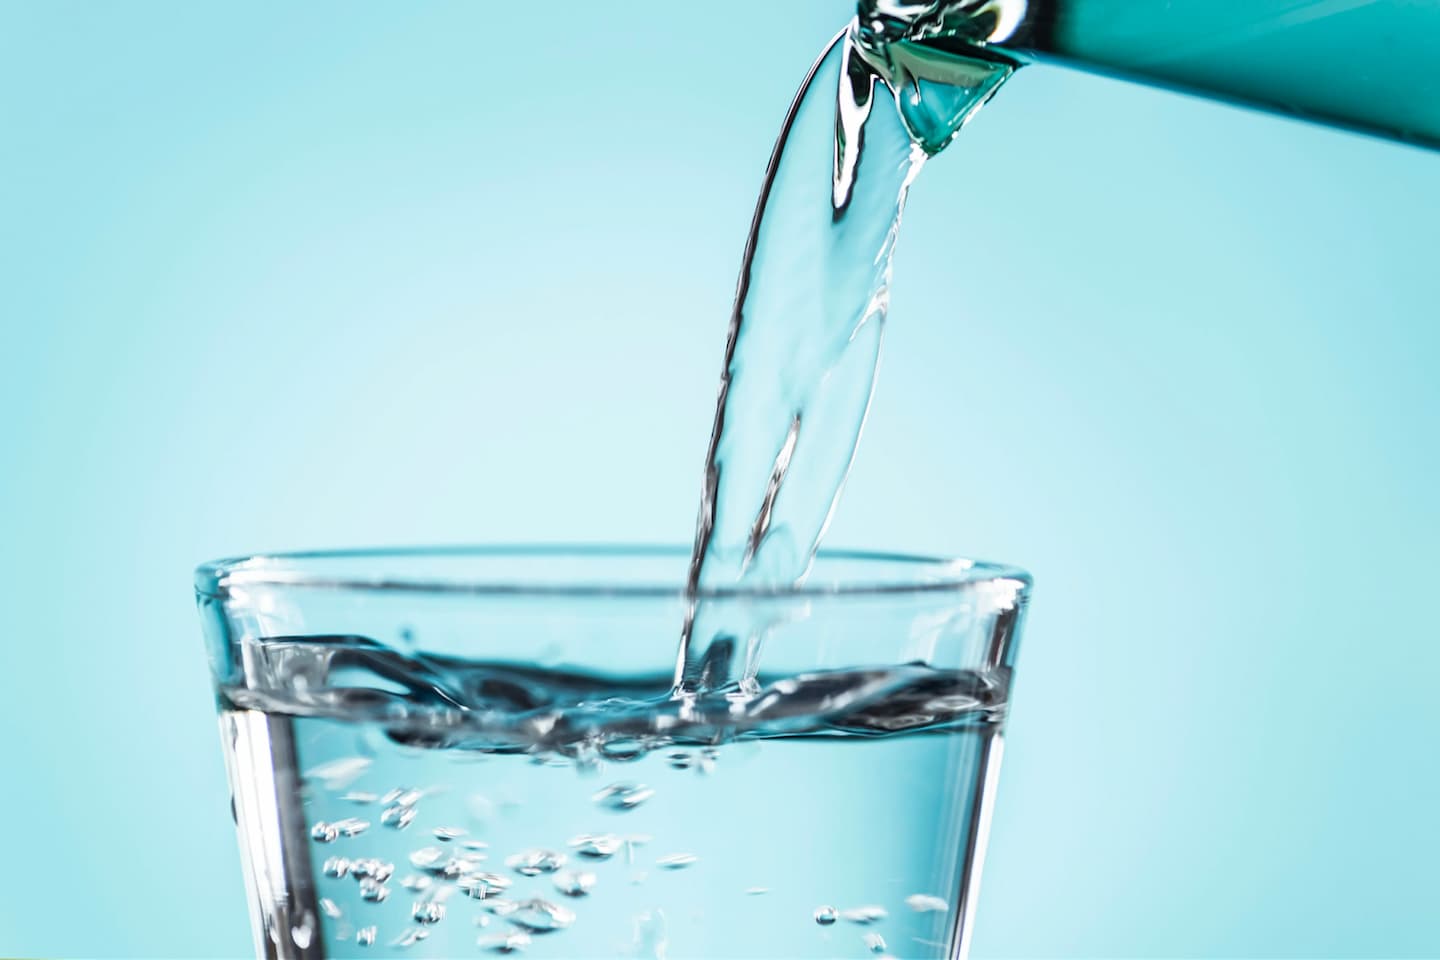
1368, 66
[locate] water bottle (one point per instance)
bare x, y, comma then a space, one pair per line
1368, 65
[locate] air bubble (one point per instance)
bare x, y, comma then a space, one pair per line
428, 911
377, 870
680, 760
597, 846
531, 863
330, 908
575, 883
397, 817
373, 891
416, 882
483, 886
825, 916
339, 774
504, 943
303, 932
866, 914
475, 845
365, 936
428, 858
351, 826
447, 834
540, 916
335, 867
402, 797
458, 866
927, 903
622, 750
677, 861
324, 832
360, 796
410, 937
623, 796
756, 891
874, 942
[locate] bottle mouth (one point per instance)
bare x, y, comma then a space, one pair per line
590, 570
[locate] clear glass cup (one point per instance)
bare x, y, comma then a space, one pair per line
454, 751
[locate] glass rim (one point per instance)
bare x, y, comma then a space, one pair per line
217, 578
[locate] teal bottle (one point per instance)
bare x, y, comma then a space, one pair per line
1368, 65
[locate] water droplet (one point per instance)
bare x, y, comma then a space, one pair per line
303, 932
532, 863
428, 858
365, 936
360, 796
335, 867
680, 760
373, 891
397, 817
575, 883
446, 834
475, 845
330, 908
540, 916
597, 846
677, 861
504, 943
483, 886
756, 891
324, 832
428, 911
339, 774
875, 942
623, 796
927, 903
377, 870
866, 914
351, 826
410, 937
826, 916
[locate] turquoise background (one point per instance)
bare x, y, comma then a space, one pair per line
283, 276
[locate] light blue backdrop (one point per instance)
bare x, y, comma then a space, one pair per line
283, 276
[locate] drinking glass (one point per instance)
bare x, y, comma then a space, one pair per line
446, 752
